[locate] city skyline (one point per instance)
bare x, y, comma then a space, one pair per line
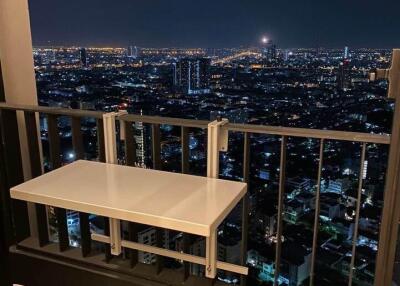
205, 24
301, 88
51, 45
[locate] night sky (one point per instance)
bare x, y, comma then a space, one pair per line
216, 23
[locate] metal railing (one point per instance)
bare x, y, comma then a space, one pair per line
322, 136
10, 137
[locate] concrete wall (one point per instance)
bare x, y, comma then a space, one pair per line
16, 52
18, 71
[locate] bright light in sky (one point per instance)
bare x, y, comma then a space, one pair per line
264, 40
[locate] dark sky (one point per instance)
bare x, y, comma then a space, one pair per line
216, 23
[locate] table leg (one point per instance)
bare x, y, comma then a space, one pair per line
115, 236
211, 255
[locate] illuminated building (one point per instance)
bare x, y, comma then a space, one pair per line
268, 49
83, 57
132, 52
192, 76
140, 143
343, 77
346, 52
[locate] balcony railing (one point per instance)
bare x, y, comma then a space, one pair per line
31, 224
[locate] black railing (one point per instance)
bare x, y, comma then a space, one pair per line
322, 136
14, 173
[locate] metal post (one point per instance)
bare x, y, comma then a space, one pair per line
391, 205
36, 171
282, 179
317, 211
55, 160
110, 143
217, 141
185, 149
245, 205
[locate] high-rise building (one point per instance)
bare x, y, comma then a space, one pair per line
344, 77
269, 51
132, 52
141, 142
192, 76
286, 55
53, 55
346, 53
83, 57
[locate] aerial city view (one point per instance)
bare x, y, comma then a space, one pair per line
263, 82
307, 88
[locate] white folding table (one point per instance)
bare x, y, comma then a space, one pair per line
191, 204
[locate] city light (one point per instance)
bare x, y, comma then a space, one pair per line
262, 85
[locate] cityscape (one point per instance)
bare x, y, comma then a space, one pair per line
316, 88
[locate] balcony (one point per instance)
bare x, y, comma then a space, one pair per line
43, 234
298, 224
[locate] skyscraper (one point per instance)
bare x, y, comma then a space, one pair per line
83, 57
268, 51
271, 52
346, 53
192, 76
343, 77
132, 52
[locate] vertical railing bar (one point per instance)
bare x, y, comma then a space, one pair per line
100, 140
102, 158
159, 243
317, 211
282, 175
33, 143
54, 141
186, 248
156, 146
185, 170
355, 234
77, 142
245, 204
86, 242
130, 158
185, 149
107, 246
36, 170
388, 235
246, 157
54, 145
156, 157
84, 225
133, 236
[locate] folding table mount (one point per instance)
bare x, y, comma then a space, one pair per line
185, 203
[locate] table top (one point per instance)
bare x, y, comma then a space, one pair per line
180, 202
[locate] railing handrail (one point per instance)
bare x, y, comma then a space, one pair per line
310, 133
53, 110
165, 120
194, 123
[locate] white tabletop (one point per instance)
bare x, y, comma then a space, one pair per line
180, 202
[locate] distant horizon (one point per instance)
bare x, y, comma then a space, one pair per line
48, 45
